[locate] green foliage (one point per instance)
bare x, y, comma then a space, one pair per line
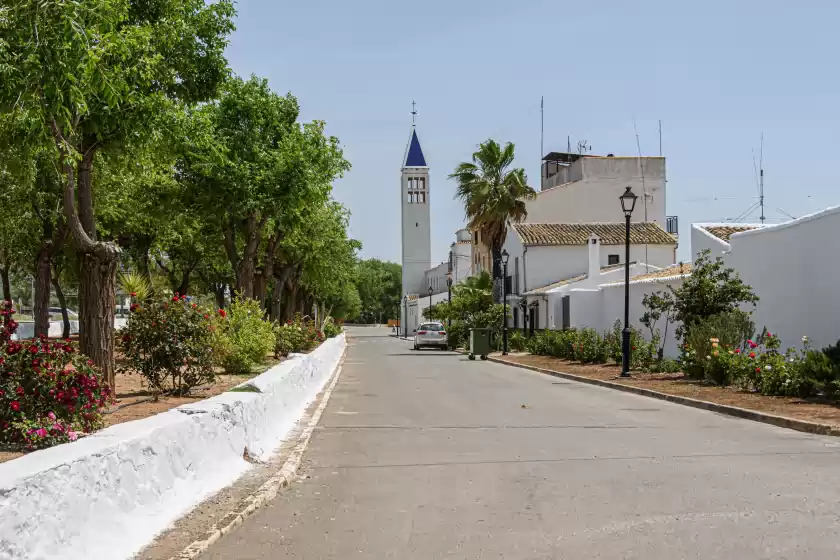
517, 341
251, 338
710, 289
730, 330
331, 330
379, 284
135, 286
169, 342
297, 336
493, 194
658, 306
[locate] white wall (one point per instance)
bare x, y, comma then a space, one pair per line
595, 197
794, 269
702, 240
107, 495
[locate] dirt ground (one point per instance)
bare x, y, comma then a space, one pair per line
811, 410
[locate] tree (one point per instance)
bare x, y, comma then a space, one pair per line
657, 305
711, 289
493, 194
379, 284
94, 75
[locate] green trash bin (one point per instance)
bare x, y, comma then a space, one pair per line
479, 343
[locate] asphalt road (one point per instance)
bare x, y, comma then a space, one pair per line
425, 455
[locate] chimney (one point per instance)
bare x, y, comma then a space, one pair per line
594, 273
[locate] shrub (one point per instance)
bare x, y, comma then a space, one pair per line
171, 344
331, 330
710, 289
249, 338
723, 332
516, 341
49, 393
295, 336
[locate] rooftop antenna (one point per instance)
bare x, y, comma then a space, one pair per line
660, 137
761, 177
644, 186
568, 144
413, 113
542, 127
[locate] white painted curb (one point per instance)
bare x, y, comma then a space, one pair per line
107, 495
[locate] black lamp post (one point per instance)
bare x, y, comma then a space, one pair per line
430, 303
405, 316
449, 295
628, 203
505, 258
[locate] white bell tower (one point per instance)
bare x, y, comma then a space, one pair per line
416, 224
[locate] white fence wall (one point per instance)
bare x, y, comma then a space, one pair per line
793, 268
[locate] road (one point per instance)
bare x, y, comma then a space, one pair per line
425, 455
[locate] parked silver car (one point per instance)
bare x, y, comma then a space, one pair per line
430, 334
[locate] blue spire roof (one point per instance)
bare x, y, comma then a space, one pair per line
414, 158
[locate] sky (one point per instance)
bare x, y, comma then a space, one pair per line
717, 73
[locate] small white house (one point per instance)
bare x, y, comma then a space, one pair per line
547, 256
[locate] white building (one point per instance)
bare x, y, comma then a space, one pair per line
547, 256
585, 188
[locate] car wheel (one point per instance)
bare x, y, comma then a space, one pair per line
416, 347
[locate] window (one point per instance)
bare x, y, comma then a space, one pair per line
515, 318
612, 259
516, 275
422, 196
434, 327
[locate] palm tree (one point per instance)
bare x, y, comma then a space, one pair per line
493, 195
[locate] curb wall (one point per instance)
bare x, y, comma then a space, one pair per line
107, 495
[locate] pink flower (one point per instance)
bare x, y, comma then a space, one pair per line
752, 344
73, 436
769, 335
737, 350
51, 415
42, 432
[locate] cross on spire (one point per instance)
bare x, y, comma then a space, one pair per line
413, 113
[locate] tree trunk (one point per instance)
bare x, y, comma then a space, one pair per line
41, 312
219, 292
184, 287
7, 286
97, 289
62, 302
274, 300
97, 261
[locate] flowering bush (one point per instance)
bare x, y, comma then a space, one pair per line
170, 343
249, 337
49, 393
587, 346
298, 335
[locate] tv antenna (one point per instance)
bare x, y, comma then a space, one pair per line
583, 147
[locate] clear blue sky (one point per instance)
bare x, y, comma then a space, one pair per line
717, 73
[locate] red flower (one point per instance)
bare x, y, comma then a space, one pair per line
737, 350
752, 354
206, 316
133, 294
33, 349
15, 406
752, 344
758, 370
222, 312
175, 297
19, 390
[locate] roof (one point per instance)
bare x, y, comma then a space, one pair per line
562, 157
724, 232
414, 157
643, 233
669, 272
572, 280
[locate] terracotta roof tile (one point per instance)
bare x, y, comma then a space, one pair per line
643, 233
725, 232
674, 270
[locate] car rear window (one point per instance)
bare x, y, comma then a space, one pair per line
431, 327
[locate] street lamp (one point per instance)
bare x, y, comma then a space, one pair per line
449, 292
628, 203
405, 316
430, 302
505, 258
